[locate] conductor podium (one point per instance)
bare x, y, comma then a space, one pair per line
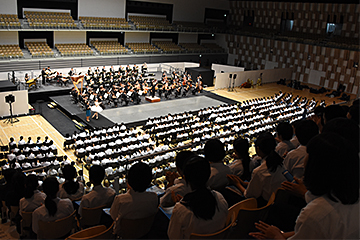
152, 99
206, 74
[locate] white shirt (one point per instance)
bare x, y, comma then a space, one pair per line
183, 222
263, 182
30, 204
237, 167
97, 197
180, 187
64, 208
283, 147
325, 219
218, 179
63, 194
294, 161
133, 205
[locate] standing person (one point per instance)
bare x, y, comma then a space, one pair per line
97, 109
88, 112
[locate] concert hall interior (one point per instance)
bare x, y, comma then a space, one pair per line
91, 89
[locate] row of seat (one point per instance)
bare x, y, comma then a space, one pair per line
151, 23
168, 46
142, 48
109, 47
10, 51
9, 21
39, 49
100, 22
73, 49
49, 19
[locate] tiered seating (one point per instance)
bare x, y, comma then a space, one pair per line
342, 42
10, 51
50, 19
151, 23
168, 46
142, 47
109, 47
193, 47
192, 26
39, 49
102, 22
9, 21
213, 47
74, 49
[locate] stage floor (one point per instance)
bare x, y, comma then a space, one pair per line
142, 112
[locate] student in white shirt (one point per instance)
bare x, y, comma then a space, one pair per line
332, 211
70, 188
33, 197
284, 134
54, 207
200, 211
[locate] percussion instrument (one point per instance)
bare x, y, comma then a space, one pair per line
31, 82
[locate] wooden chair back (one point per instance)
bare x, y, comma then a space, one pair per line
222, 234
56, 229
246, 219
26, 222
135, 228
245, 204
91, 216
97, 232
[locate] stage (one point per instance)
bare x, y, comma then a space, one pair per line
133, 115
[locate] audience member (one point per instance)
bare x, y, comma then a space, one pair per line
284, 132
70, 188
200, 211
241, 164
33, 198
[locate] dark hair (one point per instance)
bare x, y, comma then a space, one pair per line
70, 185
96, 174
319, 111
214, 150
333, 111
346, 128
139, 176
50, 188
332, 168
31, 184
285, 130
241, 147
267, 144
182, 158
354, 113
306, 130
200, 201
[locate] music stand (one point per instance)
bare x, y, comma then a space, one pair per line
10, 99
230, 77
233, 85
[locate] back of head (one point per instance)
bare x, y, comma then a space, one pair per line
31, 184
354, 113
241, 147
333, 111
50, 188
332, 168
306, 130
346, 128
96, 174
139, 177
182, 158
214, 150
69, 173
201, 201
285, 130
267, 144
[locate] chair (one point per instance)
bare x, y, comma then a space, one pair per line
56, 229
97, 232
245, 204
26, 223
247, 217
222, 234
135, 228
91, 216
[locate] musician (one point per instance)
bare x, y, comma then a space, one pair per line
72, 72
90, 72
43, 76
128, 69
135, 68
26, 77
153, 88
144, 68
111, 70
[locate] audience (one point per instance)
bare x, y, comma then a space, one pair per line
33, 198
200, 211
214, 153
54, 207
99, 195
136, 202
70, 188
241, 164
284, 132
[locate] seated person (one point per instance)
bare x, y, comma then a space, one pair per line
99, 195
176, 186
332, 210
33, 198
136, 202
241, 165
54, 207
284, 133
70, 188
200, 211
268, 176
215, 153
